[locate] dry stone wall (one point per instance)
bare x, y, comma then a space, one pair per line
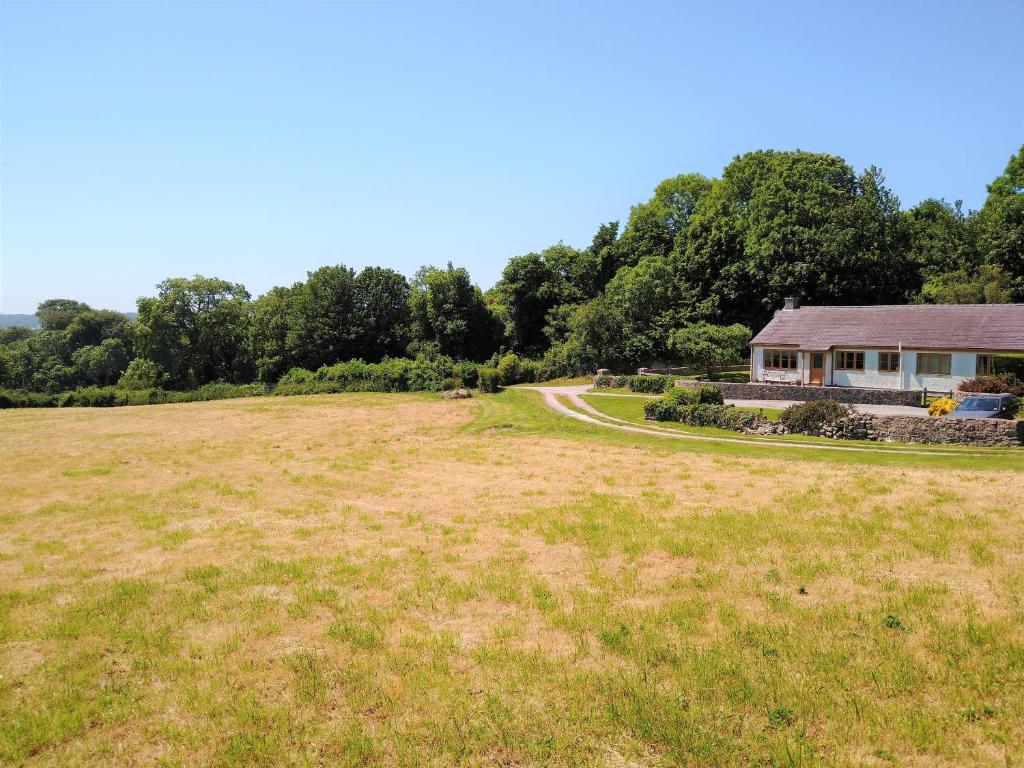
995, 433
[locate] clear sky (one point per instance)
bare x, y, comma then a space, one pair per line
255, 141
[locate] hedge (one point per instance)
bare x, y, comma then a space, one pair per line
108, 397
653, 384
720, 416
707, 394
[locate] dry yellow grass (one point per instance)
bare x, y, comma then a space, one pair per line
398, 580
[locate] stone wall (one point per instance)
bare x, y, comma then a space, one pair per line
996, 433
734, 391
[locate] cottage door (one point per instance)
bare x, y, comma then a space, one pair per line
817, 368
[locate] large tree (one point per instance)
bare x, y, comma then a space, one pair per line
195, 330
449, 315
268, 332
57, 314
781, 223
322, 331
1001, 224
381, 313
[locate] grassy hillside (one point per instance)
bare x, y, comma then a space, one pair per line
397, 580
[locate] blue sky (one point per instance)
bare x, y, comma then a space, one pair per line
255, 141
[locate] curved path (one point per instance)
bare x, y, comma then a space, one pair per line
590, 415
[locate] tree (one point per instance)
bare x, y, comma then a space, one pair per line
322, 329
1001, 224
92, 326
195, 330
940, 238
705, 347
141, 374
988, 284
526, 293
450, 316
268, 332
57, 314
1011, 181
101, 364
381, 313
795, 223
661, 224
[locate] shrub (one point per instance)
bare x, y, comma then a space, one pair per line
998, 384
941, 406
466, 373
696, 395
529, 371
509, 369
488, 379
720, 416
662, 409
92, 397
649, 384
808, 418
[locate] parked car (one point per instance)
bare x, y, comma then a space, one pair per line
985, 407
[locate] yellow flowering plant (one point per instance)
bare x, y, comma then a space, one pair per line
941, 406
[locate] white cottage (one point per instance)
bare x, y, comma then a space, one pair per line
910, 347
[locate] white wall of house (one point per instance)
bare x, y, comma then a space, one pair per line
760, 373
963, 366
870, 377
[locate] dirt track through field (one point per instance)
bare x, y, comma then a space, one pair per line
594, 416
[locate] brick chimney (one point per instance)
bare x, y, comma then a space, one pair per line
792, 302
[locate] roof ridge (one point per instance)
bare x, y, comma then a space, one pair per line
905, 306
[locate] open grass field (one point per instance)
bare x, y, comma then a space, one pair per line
397, 580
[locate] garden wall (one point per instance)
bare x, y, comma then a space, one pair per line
733, 391
996, 433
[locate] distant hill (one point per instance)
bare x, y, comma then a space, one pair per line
31, 321
22, 321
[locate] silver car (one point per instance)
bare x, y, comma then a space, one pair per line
985, 407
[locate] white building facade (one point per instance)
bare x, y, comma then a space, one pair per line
933, 347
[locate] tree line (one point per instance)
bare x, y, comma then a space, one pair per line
691, 272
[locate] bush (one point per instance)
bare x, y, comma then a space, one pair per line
662, 409
466, 373
808, 418
941, 406
696, 395
92, 397
529, 371
488, 379
998, 384
720, 416
509, 369
649, 384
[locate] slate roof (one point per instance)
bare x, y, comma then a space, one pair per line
987, 327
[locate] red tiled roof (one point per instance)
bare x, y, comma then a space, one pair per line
991, 327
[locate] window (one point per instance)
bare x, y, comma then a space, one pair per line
933, 363
888, 362
782, 359
984, 367
849, 361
